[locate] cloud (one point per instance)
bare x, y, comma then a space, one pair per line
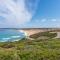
43, 20
32, 5
15, 13
53, 20
48, 20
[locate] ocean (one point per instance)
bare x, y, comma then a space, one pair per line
10, 35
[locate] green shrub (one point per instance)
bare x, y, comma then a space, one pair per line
31, 50
47, 34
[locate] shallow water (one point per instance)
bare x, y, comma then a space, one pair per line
10, 35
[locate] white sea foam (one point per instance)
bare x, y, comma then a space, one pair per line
25, 33
15, 36
5, 39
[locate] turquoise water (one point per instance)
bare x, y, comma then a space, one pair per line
10, 35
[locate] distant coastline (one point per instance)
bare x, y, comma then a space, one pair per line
31, 31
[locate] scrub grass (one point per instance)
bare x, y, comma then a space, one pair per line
26, 49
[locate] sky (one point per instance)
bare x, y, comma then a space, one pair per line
29, 13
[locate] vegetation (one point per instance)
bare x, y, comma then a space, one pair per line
26, 49
46, 34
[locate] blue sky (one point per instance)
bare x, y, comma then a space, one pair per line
29, 13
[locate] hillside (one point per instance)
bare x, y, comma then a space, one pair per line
26, 49
44, 34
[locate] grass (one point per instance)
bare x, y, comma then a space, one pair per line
31, 50
26, 49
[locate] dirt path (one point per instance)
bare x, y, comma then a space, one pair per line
58, 35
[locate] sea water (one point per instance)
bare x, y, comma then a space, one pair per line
10, 35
